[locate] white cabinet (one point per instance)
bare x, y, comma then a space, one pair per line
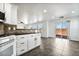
21, 44
27, 42
37, 39
10, 13
34, 41
14, 14
30, 42
1, 6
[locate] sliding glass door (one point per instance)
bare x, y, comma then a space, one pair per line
62, 29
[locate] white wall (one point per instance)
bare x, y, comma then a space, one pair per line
48, 29
74, 29
51, 29
44, 29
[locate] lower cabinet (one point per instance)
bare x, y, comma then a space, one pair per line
37, 40
30, 43
27, 42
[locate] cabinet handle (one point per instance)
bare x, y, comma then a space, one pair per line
22, 50
22, 37
31, 35
35, 39
22, 43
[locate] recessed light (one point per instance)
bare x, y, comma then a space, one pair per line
73, 11
53, 17
44, 10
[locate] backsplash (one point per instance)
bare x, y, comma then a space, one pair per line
27, 31
1, 28
8, 29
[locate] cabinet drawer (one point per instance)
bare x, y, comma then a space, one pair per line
21, 45
20, 51
37, 41
32, 35
21, 40
20, 37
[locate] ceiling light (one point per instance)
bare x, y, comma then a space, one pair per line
44, 10
53, 17
73, 11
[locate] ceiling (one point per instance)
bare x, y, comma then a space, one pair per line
52, 10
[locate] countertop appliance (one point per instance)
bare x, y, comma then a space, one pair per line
8, 46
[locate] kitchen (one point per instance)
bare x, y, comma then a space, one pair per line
30, 29
15, 41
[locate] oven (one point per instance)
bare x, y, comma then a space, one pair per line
8, 46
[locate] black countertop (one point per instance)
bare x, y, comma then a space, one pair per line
4, 35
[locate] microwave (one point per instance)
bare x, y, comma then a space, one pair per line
2, 16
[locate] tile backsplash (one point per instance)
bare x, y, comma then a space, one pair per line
9, 29
1, 28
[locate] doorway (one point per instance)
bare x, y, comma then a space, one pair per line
63, 29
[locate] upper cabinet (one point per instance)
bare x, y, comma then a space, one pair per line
11, 13
1, 6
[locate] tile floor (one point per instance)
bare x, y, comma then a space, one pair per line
55, 47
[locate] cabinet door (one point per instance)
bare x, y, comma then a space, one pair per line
1, 6
11, 13
30, 43
37, 40
8, 13
21, 44
14, 14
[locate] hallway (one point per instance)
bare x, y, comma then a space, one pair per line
55, 47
